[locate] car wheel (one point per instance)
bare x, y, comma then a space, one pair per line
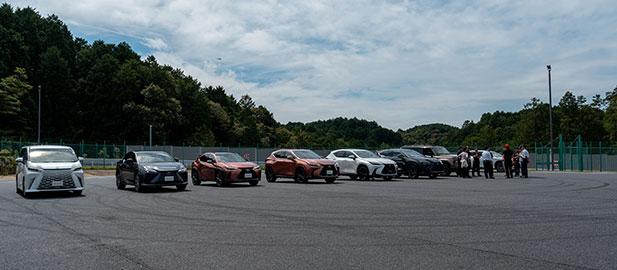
363, 173
181, 187
253, 182
120, 184
195, 178
138, 186
219, 179
330, 180
77, 192
446, 169
412, 173
270, 177
300, 176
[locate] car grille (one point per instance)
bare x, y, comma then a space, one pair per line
51, 176
245, 171
325, 168
389, 169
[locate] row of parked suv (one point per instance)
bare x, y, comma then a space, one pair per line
57, 168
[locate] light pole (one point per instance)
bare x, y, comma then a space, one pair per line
550, 115
38, 137
150, 137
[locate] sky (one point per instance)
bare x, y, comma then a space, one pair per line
400, 63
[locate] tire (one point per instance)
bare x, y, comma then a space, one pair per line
330, 180
138, 187
77, 192
195, 178
300, 176
447, 169
220, 182
412, 173
253, 182
181, 187
363, 173
433, 176
270, 177
120, 184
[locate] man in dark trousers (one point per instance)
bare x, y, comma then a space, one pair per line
507, 160
475, 168
487, 158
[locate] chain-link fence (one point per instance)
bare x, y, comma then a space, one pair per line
576, 155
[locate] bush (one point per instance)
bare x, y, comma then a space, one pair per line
7, 162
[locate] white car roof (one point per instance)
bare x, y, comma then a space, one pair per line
48, 147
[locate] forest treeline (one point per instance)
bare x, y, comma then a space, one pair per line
97, 91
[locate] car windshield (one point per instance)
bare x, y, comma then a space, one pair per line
52, 155
411, 153
366, 154
440, 151
306, 154
154, 157
229, 157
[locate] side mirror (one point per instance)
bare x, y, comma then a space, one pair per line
291, 157
19, 160
129, 161
401, 156
352, 157
81, 159
176, 159
211, 161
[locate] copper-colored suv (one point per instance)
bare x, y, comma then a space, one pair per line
301, 165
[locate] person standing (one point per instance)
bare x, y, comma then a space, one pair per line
464, 163
524, 156
507, 160
487, 158
516, 163
475, 168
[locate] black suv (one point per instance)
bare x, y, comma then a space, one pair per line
413, 164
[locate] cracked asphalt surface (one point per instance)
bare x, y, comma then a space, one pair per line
549, 221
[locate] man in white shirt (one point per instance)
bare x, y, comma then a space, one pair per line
524, 155
487, 158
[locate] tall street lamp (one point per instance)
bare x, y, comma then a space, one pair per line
38, 137
150, 137
550, 114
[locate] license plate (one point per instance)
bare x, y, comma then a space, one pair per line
169, 178
329, 172
248, 175
57, 184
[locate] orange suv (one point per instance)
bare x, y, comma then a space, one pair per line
301, 165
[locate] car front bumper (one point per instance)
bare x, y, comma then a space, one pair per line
160, 178
383, 170
54, 180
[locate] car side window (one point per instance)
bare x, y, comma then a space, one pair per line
428, 152
203, 158
386, 153
340, 154
210, 156
281, 154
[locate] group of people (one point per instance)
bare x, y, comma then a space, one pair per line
513, 161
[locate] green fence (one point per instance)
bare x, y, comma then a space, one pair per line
575, 155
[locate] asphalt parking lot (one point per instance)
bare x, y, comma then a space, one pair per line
549, 221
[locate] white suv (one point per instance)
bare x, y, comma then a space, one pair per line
363, 164
48, 168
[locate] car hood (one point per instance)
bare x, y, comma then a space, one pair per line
55, 165
380, 160
240, 165
164, 166
320, 161
448, 157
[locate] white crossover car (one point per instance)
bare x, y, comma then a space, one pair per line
48, 168
363, 164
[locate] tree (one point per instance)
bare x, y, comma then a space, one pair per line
14, 92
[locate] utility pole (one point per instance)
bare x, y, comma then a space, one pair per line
38, 137
550, 115
150, 137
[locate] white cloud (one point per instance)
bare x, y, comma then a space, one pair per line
400, 63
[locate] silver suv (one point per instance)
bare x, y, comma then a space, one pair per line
48, 168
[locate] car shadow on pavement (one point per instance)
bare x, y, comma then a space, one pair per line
310, 182
158, 190
234, 185
53, 195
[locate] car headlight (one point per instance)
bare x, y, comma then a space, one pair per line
33, 167
231, 168
182, 169
314, 165
375, 163
256, 168
76, 167
150, 168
